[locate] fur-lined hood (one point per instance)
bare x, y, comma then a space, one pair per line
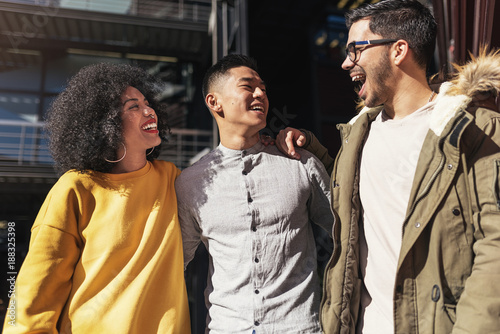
476, 81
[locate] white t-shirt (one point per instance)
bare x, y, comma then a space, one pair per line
388, 164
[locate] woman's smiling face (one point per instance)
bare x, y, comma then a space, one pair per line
139, 121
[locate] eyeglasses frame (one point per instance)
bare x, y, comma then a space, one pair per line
365, 43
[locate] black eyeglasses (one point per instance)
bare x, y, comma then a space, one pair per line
352, 51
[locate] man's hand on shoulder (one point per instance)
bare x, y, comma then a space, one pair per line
288, 139
266, 140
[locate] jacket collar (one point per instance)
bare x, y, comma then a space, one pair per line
445, 109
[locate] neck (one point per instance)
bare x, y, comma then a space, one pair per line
407, 98
238, 142
130, 163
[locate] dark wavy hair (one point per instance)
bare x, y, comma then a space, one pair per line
84, 123
401, 19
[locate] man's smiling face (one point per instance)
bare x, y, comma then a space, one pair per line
243, 98
372, 68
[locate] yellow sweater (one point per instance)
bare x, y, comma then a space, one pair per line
105, 256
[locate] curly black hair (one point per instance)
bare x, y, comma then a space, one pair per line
84, 123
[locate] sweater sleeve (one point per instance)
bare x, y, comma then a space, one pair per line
478, 309
45, 279
191, 232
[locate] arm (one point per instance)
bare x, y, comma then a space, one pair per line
319, 203
479, 306
288, 138
191, 233
45, 280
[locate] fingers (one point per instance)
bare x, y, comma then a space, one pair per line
301, 139
266, 140
289, 142
287, 139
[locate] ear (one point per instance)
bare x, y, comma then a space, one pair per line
212, 103
400, 51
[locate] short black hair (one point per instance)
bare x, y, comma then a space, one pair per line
84, 122
401, 19
220, 69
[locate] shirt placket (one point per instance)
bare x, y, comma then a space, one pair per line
257, 272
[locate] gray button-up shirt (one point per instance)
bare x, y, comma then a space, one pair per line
252, 209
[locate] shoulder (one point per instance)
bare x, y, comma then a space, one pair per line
70, 187
485, 116
166, 168
200, 169
307, 159
72, 180
487, 125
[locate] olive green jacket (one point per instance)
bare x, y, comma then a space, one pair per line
448, 275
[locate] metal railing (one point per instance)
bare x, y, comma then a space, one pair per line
24, 151
185, 10
186, 146
23, 143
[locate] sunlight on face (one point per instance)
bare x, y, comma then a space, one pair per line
139, 122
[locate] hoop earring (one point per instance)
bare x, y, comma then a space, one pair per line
152, 149
124, 154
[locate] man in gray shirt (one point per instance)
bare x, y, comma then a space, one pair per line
251, 207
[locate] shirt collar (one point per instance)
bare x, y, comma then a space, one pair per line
258, 147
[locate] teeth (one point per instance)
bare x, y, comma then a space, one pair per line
257, 108
149, 126
357, 78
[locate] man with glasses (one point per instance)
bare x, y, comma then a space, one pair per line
416, 185
352, 50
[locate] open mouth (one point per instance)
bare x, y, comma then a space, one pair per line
359, 77
359, 81
257, 108
150, 126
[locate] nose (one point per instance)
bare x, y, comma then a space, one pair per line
259, 93
148, 111
347, 64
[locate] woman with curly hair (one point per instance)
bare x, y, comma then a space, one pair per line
105, 252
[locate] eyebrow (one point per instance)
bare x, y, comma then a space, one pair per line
132, 99
128, 100
250, 80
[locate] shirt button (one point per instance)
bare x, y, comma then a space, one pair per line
450, 166
256, 292
244, 172
250, 200
256, 260
254, 228
417, 225
456, 212
243, 152
256, 323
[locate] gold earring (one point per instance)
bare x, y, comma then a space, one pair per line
124, 154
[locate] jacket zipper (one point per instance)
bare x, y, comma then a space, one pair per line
496, 186
333, 184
